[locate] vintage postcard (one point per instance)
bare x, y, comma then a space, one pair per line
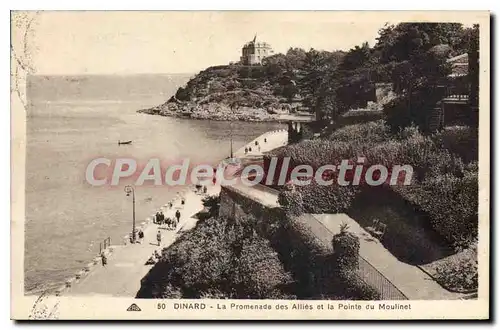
250, 165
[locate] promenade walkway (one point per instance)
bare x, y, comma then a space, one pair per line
126, 267
275, 139
121, 277
410, 280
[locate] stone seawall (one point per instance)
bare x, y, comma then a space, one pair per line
96, 263
304, 245
126, 261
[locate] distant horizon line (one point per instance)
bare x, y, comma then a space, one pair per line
106, 74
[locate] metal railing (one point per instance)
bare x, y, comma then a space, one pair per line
372, 277
457, 92
104, 244
367, 273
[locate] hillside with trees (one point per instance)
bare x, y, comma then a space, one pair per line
283, 84
443, 194
408, 56
431, 223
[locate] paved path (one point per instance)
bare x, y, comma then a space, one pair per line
410, 280
121, 277
258, 193
275, 139
413, 282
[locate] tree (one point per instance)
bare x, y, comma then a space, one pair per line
415, 55
356, 58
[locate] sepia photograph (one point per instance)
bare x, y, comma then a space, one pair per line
250, 165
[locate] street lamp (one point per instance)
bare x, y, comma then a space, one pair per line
128, 190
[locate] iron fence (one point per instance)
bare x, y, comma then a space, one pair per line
104, 244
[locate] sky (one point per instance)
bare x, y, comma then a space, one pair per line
183, 42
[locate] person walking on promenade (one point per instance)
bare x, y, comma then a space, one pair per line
158, 237
204, 190
170, 205
214, 178
140, 234
178, 215
265, 140
183, 201
104, 259
162, 218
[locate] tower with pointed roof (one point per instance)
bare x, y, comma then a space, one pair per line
254, 51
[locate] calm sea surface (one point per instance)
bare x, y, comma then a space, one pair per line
75, 119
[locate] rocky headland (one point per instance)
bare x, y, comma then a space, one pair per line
232, 92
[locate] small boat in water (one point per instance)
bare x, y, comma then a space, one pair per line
124, 142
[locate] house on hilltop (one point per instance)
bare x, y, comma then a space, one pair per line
253, 52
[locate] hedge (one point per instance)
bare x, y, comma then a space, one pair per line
218, 258
327, 199
459, 140
452, 204
443, 185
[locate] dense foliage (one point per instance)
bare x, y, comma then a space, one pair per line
452, 203
459, 272
212, 203
415, 55
346, 249
308, 252
219, 258
443, 185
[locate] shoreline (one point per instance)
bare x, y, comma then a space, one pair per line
115, 249
147, 224
220, 112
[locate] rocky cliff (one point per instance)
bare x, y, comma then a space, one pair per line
232, 92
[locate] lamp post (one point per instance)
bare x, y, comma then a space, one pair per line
128, 190
231, 138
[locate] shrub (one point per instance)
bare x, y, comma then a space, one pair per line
411, 147
346, 249
357, 117
443, 186
327, 199
213, 205
354, 288
291, 201
219, 258
260, 272
421, 152
452, 204
370, 133
317, 152
459, 140
183, 94
459, 272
